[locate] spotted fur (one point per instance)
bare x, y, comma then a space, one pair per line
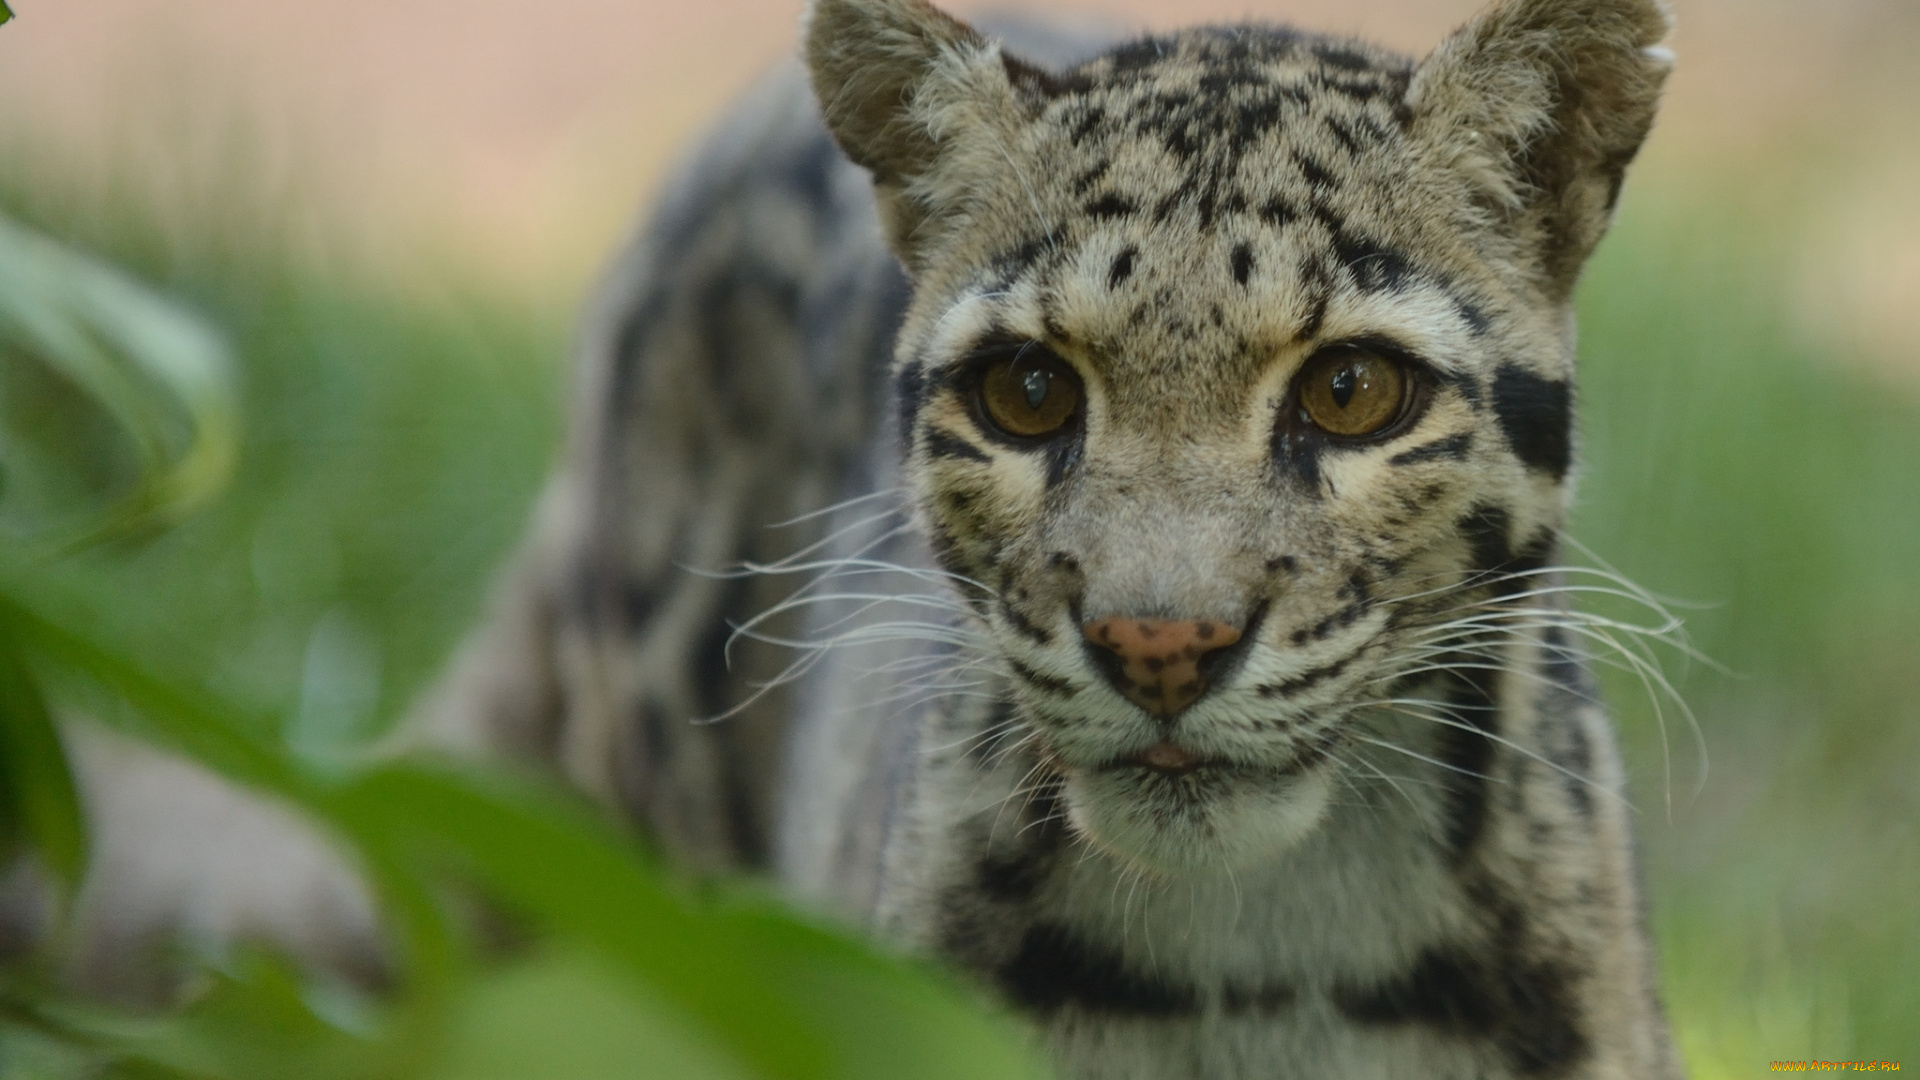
1387, 837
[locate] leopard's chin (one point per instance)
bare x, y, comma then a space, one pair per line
1211, 818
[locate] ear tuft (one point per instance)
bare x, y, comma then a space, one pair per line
1542, 104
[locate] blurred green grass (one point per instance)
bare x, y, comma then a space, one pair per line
1733, 460
396, 431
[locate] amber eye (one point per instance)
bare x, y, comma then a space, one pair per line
1030, 394
1350, 391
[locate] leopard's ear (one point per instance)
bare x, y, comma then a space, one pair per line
1541, 104
919, 98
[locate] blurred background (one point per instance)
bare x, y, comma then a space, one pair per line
393, 210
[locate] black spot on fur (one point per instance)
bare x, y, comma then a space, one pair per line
1022, 257
1537, 416
1493, 557
1276, 212
1375, 267
1089, 119
1452, 448
1344, 135
1040, 82
1054, 969
1110, 206
1523, 1006
1343, 57
1091, 177
1472, 314
1485, 528
1122, 267
1319, 292
1242, 263
940, 444
1010, 879
1136, 56
1315, 173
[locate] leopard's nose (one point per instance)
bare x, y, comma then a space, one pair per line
1156, 663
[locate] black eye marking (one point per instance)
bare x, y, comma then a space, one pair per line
1536, 414
940, 444
1453, 447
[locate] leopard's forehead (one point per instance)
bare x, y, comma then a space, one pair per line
1186, 209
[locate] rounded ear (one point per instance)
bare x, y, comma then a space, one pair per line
900, 85
1542, 104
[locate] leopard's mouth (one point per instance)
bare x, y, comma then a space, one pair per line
1173, 760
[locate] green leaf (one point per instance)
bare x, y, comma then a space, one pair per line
34, 773
788, 998
5, 11
157, 369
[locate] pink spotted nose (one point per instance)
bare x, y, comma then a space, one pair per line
1159, 665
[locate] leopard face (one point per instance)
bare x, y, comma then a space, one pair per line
1238, 362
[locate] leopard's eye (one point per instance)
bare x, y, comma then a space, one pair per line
1030, 394
1350, 391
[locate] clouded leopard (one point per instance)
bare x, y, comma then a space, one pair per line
1089, 510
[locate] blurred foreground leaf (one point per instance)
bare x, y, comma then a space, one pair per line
160, 372
784, 998
37, 797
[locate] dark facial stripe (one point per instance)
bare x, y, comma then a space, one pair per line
910, 396
1042, 682
941, 444
1375, 267
1537, 416
1296, 454
1054, 969
1464, 747
1304, 680
1024, 626
1452, 448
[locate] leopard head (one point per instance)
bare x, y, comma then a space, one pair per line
1238, 359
